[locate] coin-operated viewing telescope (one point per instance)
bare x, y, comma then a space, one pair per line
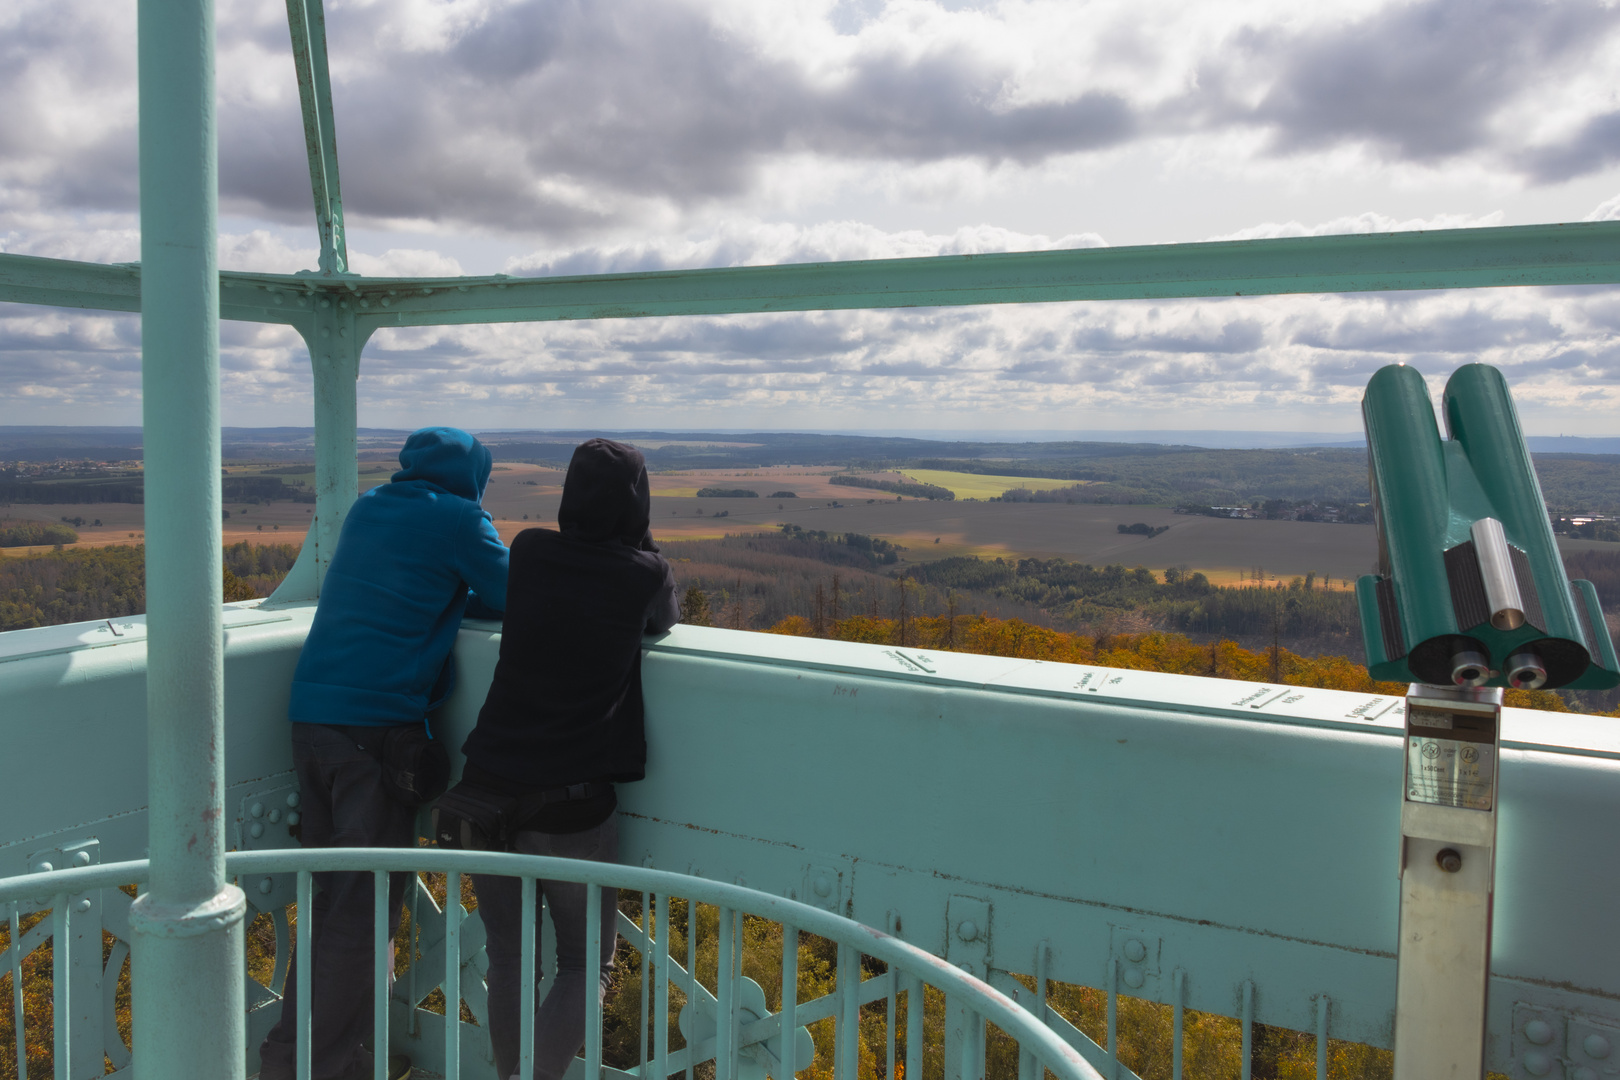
1470, 590
1470, 598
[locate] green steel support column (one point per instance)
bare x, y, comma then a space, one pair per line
334, 354
187, 927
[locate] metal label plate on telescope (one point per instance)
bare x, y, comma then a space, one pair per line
1450, 772
1450, 756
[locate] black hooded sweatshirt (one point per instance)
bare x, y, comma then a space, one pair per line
565, 704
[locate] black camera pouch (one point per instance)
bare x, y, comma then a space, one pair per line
416, 766
471, 817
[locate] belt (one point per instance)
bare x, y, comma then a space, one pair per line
571, 793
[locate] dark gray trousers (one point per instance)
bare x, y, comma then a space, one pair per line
342, 803
559, 1029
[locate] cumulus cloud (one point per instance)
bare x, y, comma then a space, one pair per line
561, 120
663, 134
1421, 81
753, 243
1368, 222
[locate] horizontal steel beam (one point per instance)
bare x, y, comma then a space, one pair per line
1586, 253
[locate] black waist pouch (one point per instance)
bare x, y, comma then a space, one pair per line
416, 767
472, 817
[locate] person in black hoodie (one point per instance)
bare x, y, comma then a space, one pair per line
563, 723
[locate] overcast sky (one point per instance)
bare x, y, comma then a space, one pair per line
572, 136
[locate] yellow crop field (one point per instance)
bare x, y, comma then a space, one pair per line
978, 486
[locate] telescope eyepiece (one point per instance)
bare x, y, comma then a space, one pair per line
1470, 668
1526, 671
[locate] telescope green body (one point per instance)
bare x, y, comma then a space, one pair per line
1470, 590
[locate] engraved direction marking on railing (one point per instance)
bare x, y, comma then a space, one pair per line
1094, 681
912, 663
1372, 709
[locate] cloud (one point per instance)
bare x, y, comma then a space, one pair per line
1596, 145
1368, 222
1422, 81
565, 120
754, 243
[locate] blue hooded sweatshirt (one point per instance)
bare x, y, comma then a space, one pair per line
378, 651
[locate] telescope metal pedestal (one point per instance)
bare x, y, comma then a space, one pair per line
1447, 864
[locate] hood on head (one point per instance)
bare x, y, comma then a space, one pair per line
605, 495
448, 458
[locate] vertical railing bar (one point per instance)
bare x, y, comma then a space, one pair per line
891, 1012
306, 931
973, 1045
1178, 983
379, 994
726, 995
690, 1072
846, 1066
17, 993
61, 1018
790, 1002
916, 1003
416, 930
1248, 1028
1322, 1037
1030, 1067
453, 913
530, 946
1113, 1018
1043, 974
735, 929
666, 926
593, 981
646, 967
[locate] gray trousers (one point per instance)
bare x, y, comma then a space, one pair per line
342, 804
559, 1029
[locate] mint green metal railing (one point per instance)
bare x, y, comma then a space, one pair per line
909, 969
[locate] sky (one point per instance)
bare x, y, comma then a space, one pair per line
567, 136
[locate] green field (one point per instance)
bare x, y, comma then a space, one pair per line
980, 485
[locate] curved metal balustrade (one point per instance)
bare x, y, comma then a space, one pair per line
731, 1025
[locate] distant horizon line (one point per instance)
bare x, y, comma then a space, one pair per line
1204, 438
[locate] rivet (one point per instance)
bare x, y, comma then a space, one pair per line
966, 967
1135, 951
1539, 1032
83, 905
279, 300
1537, 1063
265, 885
82, 858
386, 301
1133, 978
967, 930
45, 868
1596, 1046
326, 303
326, 331
1585, 1072
274, 816
1449, 860
257, 830
823, 885
292, 800
292, 818
256, 810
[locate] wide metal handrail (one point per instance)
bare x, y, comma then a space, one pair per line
911, 968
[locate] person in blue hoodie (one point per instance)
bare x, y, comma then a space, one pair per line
377, 660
